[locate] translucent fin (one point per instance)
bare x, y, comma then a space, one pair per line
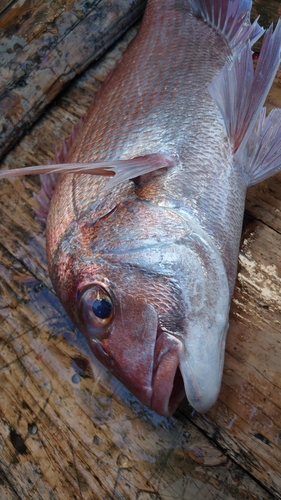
262, 155
44, 197
123, 170
96, 168
49, 181
231, 18
240, 92
130, 169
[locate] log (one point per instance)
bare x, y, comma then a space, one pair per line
45, 44
67, 428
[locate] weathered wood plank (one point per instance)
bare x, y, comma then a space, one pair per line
247, 418
65, 432
44, 44
5, 4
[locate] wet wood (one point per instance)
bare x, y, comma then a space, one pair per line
69, 430
44, 44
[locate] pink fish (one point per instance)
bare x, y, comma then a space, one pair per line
145, 263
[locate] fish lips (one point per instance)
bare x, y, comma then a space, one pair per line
168, 385
144, 358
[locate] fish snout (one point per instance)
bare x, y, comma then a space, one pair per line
144, 358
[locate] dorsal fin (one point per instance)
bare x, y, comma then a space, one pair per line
240, 93
261, 156
231, 18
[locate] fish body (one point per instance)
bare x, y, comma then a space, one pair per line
146, 237
157, 101
146, 266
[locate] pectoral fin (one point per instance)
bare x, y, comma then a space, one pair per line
119, 170
122, 170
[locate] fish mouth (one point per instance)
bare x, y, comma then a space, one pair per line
164, 375
178, 373
157, 381
167, 383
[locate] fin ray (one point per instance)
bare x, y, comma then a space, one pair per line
122, 170
240, 92
231, 18
263, 152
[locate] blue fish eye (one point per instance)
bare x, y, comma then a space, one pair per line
102, 308
96, 311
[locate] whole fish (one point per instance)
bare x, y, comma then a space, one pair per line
145, 263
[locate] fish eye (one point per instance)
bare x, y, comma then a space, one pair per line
96, 311
102, 307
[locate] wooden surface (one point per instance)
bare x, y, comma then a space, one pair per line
44, 44
70, 431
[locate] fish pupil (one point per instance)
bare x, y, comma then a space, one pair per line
101, 308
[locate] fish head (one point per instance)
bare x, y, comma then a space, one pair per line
149, 291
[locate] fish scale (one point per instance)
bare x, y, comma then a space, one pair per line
145, 263
111, 130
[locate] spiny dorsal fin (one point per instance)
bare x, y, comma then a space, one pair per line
240, 93
262, 155
231, 18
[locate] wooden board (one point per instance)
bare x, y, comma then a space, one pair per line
44, 44
70, 431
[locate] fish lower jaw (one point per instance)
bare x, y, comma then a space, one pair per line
202, 381
199, 403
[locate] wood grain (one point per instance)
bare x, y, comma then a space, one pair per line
44, 45
70, 431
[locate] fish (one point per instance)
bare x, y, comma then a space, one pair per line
145, 201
